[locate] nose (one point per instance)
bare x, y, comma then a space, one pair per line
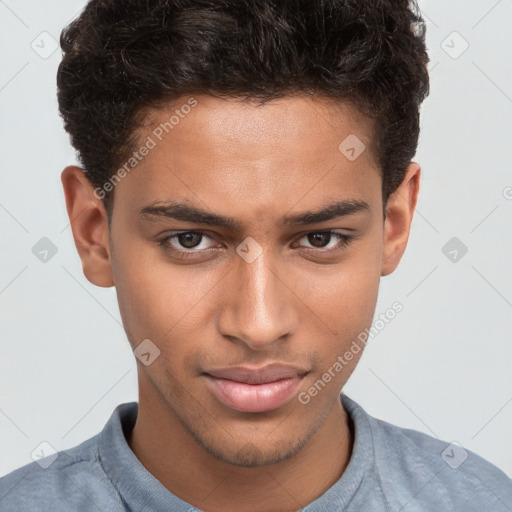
258, 307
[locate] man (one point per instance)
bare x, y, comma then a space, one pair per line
246, 180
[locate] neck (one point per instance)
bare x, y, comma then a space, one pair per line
169, 452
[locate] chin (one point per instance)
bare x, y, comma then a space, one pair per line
251, 454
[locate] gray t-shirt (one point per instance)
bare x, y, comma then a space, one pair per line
391, 469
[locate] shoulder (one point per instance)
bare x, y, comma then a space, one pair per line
420, 472
71, 479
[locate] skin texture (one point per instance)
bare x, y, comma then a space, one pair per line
297, 303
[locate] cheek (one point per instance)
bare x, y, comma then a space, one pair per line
155, 297
349, 290
349, 297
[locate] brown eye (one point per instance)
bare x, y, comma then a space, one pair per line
319, 239
189, 240
186, 243
323, 240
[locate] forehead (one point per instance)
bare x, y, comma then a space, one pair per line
252, 124
213, 150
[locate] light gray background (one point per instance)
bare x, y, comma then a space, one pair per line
442, 366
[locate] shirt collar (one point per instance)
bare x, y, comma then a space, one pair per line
142, 491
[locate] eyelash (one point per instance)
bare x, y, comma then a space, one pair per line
344, 241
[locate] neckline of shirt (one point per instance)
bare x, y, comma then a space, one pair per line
142, 491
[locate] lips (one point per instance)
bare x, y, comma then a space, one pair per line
255, 390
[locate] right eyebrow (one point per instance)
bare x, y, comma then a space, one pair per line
188, 213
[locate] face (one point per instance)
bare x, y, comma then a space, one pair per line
245, 240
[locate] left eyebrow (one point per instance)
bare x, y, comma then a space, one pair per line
189, 213
330, 212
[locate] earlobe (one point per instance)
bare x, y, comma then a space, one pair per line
89, 225
399, 213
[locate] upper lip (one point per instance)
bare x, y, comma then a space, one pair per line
262, 375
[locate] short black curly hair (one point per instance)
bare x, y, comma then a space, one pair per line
120, 56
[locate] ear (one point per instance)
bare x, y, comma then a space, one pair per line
89, 225
399, 213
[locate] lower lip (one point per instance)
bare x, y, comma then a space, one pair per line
253, 397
